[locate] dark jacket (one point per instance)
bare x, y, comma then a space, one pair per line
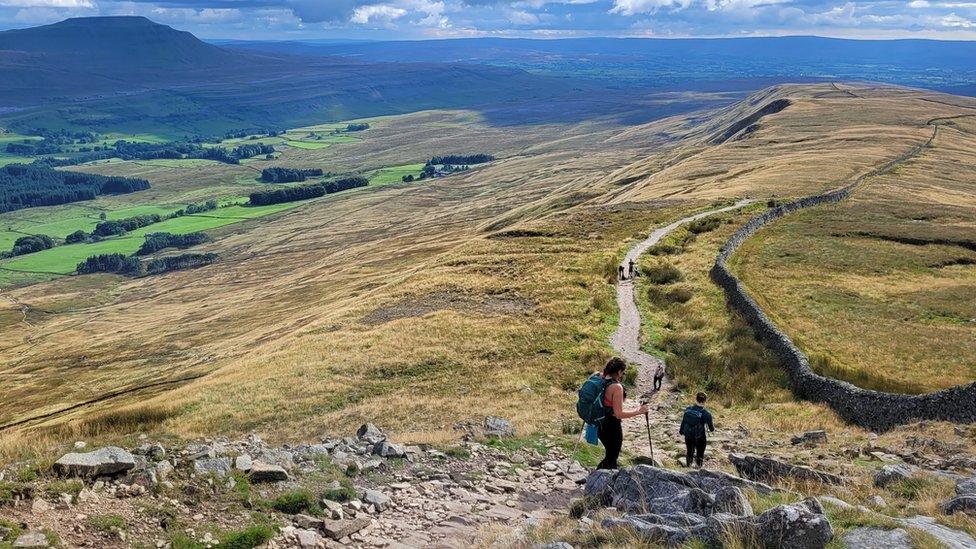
694, 421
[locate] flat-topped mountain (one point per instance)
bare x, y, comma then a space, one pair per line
125, 40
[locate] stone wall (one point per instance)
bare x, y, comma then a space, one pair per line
870, 409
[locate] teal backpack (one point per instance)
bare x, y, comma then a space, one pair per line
590, 404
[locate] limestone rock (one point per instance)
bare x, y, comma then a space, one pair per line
243, 463
764, 468
960, 504
308, 539
810, 437
370, 434
892, 473
498, 427
377, 499
107, 461
731, 500
215, 466
338, 529
387, 449
798, 526
31, 540
873, 538
263, 472
966, 487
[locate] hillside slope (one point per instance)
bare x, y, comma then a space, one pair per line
130, 74
488, 296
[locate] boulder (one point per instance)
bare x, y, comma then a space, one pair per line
810, 437
163, 470
800, 525
387, 449
263, 472
797, 526
766, 469
966, 487
553, 545
960, 504
377, 499
155, 452
713, 480
212, 466
338, 529
308, 522
872, 538
31, 540
308, 539
498, 427
599, 486
732, 501
892, 473
243, 463
108, 461
370, 434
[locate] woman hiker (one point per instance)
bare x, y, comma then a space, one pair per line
611, 432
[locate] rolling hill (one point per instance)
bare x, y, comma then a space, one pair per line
130, 74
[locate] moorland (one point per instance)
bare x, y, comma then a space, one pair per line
318, 267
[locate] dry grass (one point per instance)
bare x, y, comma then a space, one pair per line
881, 290
277, 328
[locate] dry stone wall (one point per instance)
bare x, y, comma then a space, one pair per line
870, 409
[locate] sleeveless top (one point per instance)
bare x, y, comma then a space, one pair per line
606, 399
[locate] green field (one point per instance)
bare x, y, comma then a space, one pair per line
6, 158
60, 221
62, 260
394, 174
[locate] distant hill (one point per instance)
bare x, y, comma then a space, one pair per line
123, 40
131, 74
943, 65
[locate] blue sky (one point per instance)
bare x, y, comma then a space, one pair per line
416, 19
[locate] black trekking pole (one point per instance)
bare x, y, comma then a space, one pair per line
647, 420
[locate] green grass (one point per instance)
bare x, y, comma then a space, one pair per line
106, 523
296, 501
394, 174
308, 145
62, 260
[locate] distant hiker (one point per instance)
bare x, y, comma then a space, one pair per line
693, 424
632, 271
620, 273
659, 375
601, 403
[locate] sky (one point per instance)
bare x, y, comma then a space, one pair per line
430, 19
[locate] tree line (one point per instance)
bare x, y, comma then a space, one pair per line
30, 185
289, 175
160, 241
29, 244
132, 266
122, 226
455, 159
304, 192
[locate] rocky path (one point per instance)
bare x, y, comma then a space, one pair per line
626, 339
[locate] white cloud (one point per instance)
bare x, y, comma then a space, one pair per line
954, 21
520, 17
383, 12
61, 4
634, 7
917, 4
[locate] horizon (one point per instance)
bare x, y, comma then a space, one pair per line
413, 20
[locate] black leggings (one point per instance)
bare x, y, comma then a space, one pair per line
696, 449
657, 382
611, 434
